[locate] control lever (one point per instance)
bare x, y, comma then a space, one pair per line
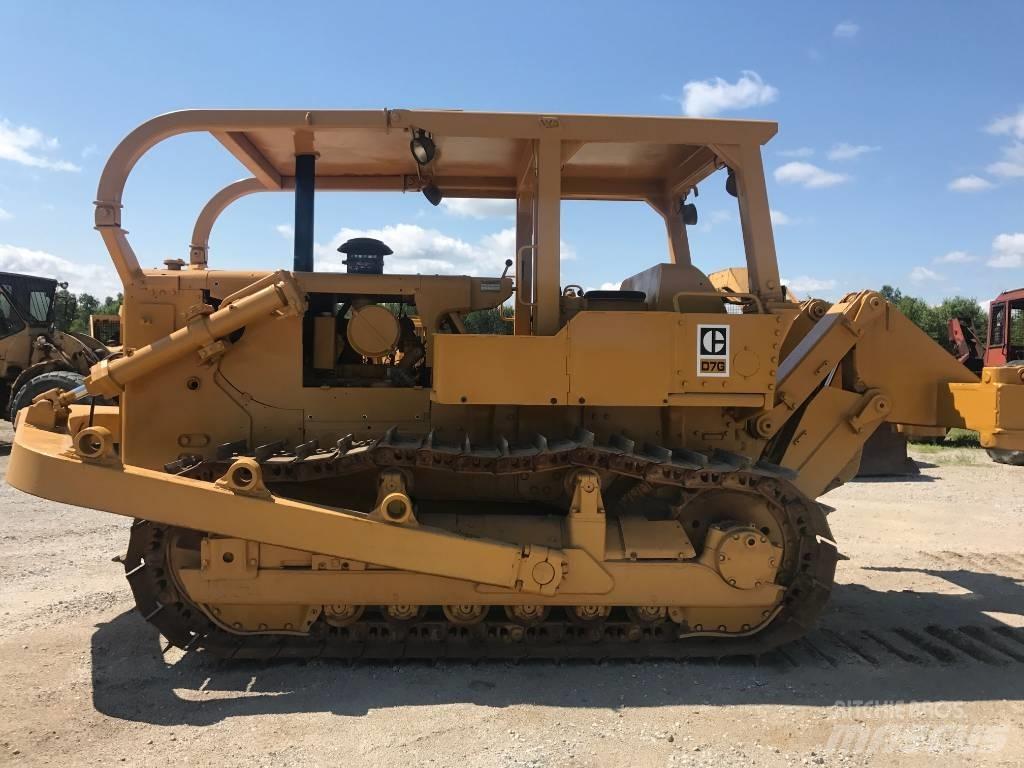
508, 264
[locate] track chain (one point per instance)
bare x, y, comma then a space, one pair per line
309, 461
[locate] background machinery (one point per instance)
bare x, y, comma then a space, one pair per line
630, 473
1005, 340
1004, 347
106, 328
34, 355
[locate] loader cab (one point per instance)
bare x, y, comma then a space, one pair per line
25, 301
1005, 329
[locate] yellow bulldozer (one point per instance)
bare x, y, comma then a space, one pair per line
328, 464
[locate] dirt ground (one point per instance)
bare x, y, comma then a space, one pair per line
920, 656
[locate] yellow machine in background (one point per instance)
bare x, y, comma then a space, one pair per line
106, 328
35, 355
323, 463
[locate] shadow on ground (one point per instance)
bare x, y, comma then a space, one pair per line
871, 646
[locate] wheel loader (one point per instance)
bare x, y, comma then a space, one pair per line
326, 464
34, 355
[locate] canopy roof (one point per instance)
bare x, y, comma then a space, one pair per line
540, 159
479, 154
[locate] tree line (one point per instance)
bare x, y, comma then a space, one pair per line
933, 320
71, 311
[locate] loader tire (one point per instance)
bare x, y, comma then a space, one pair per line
1016, 458
66, 380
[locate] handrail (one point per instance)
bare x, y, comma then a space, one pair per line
533, 271
721, 294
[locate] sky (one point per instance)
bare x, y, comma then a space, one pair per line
899, 159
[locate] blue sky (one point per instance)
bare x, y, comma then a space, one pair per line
900, 155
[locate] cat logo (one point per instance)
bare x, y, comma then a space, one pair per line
713, 350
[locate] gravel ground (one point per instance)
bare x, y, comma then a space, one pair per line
920, 657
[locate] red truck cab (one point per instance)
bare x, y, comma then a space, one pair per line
1005, 329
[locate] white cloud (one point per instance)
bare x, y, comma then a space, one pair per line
1012, 164
89, 151
418, 250
923, 274
285, 231
846, 29
805, 284
808, 175
5, 215
713, 219
705, 98
1008, 251
970, 183
604, 287
955, 257
100, 281
478, 207
846, 151
779, 219
28, 146
1012, 125
798, 152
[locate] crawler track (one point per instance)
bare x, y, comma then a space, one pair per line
808, 576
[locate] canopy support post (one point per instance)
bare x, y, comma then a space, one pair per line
305, 175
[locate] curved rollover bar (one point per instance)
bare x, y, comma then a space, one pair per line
199, 248
227, 126
218, 122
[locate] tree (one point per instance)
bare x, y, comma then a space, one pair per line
489, 321
934, 320
890, 294
917, 311
87, 305
65, 309
111, 306
961, 307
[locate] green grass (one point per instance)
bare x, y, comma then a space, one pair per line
962, 438
957, 448
955, 438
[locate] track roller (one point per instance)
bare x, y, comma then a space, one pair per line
465, 614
